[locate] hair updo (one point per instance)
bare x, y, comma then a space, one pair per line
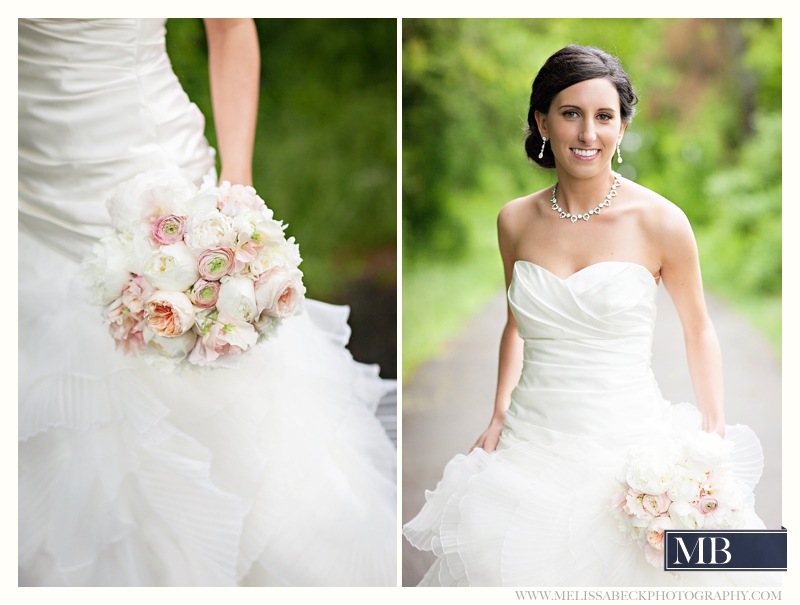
568, 66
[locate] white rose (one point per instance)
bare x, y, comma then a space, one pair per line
237, 298
175, 348
650, 471
172, 267
279, 293
210, 229
686, 516
686, 485
106, 269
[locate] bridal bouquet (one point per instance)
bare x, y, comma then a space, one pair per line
193, 277
683, 483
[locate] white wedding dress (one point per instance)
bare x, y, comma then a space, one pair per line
537, 511
275, 473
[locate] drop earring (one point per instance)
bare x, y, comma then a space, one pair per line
541, 153
619, 155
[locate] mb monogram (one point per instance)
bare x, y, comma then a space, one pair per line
725, 550
688, 555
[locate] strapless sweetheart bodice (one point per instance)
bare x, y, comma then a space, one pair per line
588, 340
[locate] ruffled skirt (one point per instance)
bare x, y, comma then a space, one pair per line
538, 513
274, 473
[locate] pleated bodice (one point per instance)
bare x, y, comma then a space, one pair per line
588, 338
98, 104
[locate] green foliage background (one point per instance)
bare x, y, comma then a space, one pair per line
326, 142
707, 135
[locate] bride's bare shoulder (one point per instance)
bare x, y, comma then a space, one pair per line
522, 211
658, 216
653, 207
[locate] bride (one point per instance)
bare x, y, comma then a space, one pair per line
537, 501
275, 473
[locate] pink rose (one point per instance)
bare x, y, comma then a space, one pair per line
168, 313
656, 505
655, 531
707, 504
279, 292
205, 293
169, 229
216, 263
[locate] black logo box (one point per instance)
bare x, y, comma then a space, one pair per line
725, 550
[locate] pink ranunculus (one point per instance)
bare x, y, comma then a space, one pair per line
168, 313
707, 504
205, 293
215, 263
169, 229
656, 505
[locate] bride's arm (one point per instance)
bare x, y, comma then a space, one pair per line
233, 64
510, 364
680, 272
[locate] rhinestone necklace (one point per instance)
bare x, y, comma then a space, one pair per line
585, 216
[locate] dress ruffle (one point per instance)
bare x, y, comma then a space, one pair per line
538, 513
275, 473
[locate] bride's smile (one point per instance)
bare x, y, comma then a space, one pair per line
583, 127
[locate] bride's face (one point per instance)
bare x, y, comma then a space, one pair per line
583, 126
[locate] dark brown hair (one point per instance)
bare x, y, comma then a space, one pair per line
568, 66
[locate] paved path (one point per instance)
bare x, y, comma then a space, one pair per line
449, 401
